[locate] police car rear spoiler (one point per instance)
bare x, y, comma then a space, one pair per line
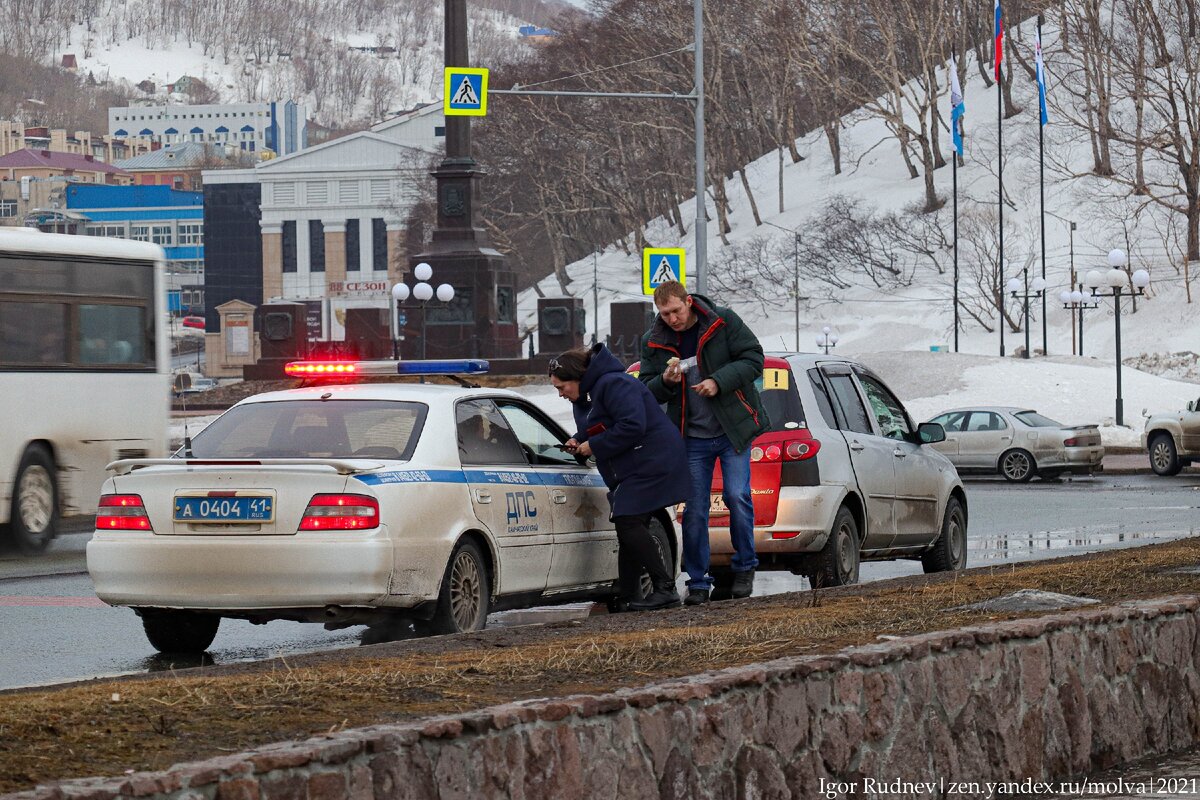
342, 467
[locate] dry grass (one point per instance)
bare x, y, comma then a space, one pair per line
82, 730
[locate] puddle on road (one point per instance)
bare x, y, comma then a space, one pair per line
1025, 546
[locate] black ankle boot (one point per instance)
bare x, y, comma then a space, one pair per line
659, 598
743, 584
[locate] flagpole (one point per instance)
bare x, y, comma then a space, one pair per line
1000, 193
956, 138
954, 172
1042, 179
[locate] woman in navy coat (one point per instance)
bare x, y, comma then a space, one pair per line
639, 453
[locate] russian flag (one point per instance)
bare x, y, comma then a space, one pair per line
1041, 78
999, 34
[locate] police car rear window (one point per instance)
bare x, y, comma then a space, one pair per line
314, 429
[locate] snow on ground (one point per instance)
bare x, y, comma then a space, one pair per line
1074, 391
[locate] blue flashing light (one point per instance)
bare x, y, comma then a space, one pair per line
464, 366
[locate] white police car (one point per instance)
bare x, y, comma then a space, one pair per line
357, 503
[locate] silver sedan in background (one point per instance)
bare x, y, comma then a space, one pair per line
1017, 443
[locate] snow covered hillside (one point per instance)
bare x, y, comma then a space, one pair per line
874, 320
347, 61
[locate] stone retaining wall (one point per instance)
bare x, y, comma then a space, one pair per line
1043, 698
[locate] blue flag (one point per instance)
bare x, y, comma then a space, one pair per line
958, 107
1041, 77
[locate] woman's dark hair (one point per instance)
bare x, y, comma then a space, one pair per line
571, 365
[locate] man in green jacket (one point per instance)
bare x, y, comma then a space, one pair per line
702, 361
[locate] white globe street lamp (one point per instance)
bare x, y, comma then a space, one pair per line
422, 292
827, 340
1118, 281
1073, 301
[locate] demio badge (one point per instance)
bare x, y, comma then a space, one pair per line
465, 92
662, 264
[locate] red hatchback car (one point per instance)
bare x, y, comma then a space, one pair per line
193, 322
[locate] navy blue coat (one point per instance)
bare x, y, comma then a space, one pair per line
639, 453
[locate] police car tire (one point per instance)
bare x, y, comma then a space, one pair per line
180, 632
467, 570
663, 545
36, 472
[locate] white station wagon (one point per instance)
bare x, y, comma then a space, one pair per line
358, 503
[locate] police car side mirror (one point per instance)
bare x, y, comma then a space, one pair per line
930, 433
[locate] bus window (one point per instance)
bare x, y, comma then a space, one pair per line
111, 334
33, 333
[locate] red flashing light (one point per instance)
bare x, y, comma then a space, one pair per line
122, 512
340, 512
312, 368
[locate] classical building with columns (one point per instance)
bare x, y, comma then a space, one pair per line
331, 222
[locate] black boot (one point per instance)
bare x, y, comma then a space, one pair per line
696, 597
663, 596
743, 584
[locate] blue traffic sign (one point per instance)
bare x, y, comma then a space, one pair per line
465, 92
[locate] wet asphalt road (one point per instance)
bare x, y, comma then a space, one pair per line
54, 628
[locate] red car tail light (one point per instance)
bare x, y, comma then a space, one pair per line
340, 512
784, 534
790, 450
1071, 443
122, 512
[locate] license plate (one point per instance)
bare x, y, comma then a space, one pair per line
235, 509
716, 506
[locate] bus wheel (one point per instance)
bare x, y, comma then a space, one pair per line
34, 502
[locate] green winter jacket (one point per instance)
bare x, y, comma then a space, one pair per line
729, 353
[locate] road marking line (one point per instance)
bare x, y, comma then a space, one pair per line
65, 602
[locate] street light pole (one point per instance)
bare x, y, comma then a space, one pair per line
423, 292
1073, 299
595, 296
826, 341
1015, 287
1117, 280
796, 284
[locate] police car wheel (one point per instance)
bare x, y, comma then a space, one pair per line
465, 598
180, 632
34, 516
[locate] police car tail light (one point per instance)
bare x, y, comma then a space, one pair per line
340, 512
122, 512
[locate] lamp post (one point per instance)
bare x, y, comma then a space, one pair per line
1075, 300
827, 340
1117, 281
423, 292
1015, 287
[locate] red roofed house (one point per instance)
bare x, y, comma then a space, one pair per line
49, 164
69, 62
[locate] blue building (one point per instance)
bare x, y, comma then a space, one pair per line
168, 217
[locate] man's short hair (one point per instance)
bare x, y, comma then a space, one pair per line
668, 289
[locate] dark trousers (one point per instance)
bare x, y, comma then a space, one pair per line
637, 553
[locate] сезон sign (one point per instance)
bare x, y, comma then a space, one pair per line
359, 289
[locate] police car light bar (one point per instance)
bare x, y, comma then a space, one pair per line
351, 369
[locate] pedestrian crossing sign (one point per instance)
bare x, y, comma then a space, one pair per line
662, 264
465, 92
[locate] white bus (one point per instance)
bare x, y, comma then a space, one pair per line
84, 373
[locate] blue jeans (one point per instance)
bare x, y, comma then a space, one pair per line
702, 455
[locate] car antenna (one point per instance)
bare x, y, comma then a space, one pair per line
183, 382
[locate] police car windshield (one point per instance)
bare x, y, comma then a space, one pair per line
314, 429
